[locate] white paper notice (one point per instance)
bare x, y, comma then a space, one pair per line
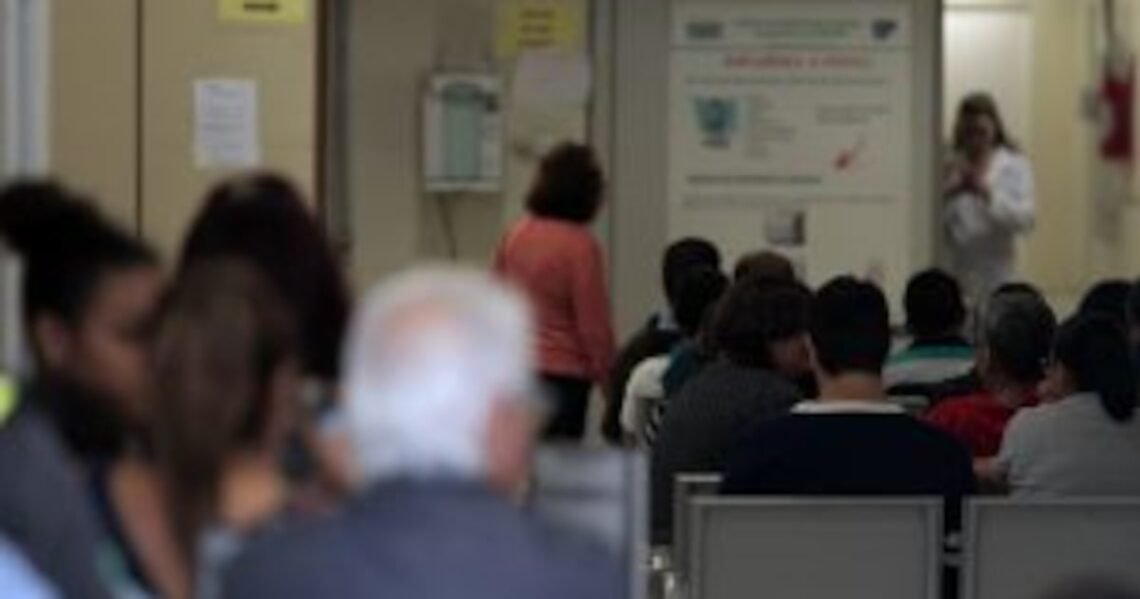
550, 80
226, 124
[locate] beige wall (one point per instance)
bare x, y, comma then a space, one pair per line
185, 41
93, 96
98, 74
394, 45
1054, 256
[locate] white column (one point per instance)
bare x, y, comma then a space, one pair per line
24, 95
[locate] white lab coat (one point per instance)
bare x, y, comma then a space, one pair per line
983, 235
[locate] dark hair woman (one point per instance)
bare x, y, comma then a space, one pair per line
553, 257
262, 219
226, 374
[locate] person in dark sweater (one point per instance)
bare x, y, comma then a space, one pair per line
661, 332
760, 331
852, 441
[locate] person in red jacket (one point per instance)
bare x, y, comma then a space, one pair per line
554, 258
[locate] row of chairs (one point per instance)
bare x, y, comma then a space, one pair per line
737, 548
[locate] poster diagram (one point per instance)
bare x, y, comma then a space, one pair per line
790, 102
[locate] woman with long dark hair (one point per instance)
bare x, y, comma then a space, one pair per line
553, 257
988, 192
226, 374
262, 218
1084, 438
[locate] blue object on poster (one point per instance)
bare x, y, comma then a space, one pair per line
718, 120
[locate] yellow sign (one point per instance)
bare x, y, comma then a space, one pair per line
526, 25
285, 12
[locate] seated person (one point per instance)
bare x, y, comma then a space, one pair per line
1107, 298
692, 355
1016, 337
662, 332
443, 414
971, 382
852, 441
696, 294
935, 318
765, 264
760, 333
1084, 438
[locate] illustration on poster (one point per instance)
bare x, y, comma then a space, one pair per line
717, 119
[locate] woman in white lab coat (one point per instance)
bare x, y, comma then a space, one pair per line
988, 192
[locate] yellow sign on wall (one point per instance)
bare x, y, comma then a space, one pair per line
526, 25
287, 12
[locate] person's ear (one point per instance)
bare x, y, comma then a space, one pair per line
51, 341
508, 445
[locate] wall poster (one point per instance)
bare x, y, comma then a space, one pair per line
791, 102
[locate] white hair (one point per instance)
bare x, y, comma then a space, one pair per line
428, 356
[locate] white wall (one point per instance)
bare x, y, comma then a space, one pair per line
973, 37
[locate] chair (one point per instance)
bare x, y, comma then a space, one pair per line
685, 486
600, 493
1017, 549
743, 548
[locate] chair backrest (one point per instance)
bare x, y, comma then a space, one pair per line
601, 493
686, 486
1018, 549
742, 548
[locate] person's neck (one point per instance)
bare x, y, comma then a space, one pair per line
852, 386
252, 489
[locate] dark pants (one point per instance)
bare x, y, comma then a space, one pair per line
568, 418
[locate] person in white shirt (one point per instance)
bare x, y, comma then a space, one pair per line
1085, 438
988, 192
697, 292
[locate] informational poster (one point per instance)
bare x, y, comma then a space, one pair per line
463, 134
529, 25
284, 12
791, 102
226, 132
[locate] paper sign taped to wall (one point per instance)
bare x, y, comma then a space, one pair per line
226, 132
263, 11
552, 80
526, 25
